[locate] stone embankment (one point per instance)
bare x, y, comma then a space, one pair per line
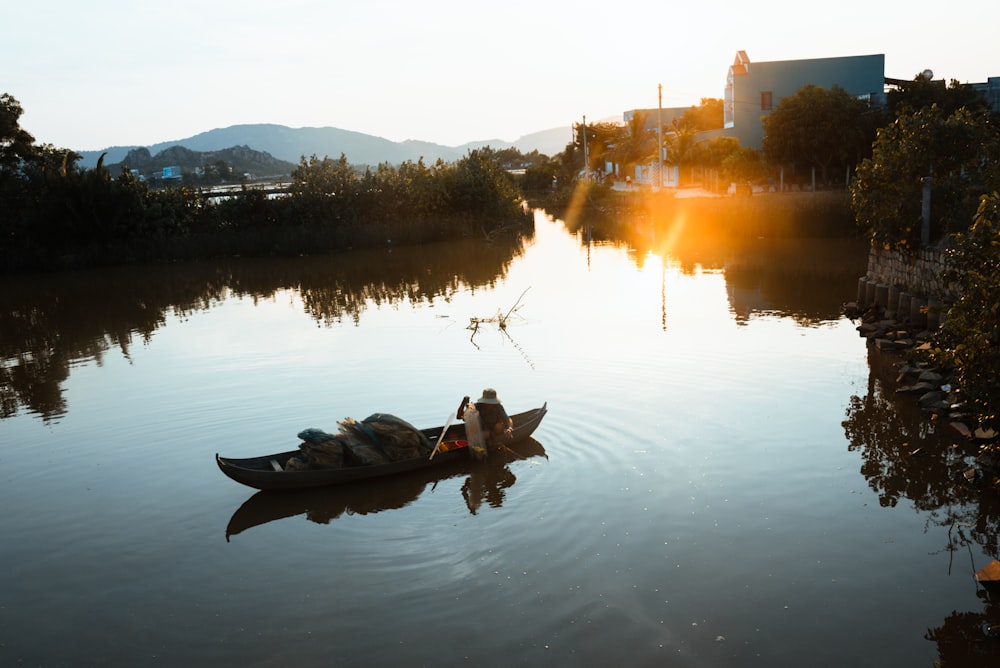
930, 385
901, 300
907, 334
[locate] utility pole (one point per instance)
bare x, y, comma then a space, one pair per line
586, 158
659, 137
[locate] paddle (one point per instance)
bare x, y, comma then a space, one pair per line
444, 430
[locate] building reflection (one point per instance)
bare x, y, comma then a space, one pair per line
803, 277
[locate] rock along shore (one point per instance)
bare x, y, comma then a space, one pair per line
930, 386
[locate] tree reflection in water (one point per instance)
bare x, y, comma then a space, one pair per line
49, 323
906, 456
798, 276
902, 452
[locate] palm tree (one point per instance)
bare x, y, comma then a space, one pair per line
681, 145
634, 143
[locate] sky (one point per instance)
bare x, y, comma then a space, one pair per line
90, 75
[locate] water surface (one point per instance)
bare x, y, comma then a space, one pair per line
723, 479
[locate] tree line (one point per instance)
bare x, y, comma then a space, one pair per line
58, 215
828, 132
944, 142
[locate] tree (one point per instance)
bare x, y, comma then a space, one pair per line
958, 151
709, 115
923, 92
969, 339
32, 178
513, 158
713, 152
600, 138
223, 170
541, 176
681, 143
324, 177
16, 144
633, 144
482, 192
819, 127
744, 164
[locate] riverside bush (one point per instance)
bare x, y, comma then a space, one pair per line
70, 217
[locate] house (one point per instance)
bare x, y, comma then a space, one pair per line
754, 89
667, 114
990, 91
645, 174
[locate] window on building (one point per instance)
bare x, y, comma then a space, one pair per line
766, 100
729, 106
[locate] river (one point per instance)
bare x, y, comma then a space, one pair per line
725, 476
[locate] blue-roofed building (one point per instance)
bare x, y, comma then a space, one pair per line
754, 89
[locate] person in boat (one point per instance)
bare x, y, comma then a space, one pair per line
496, 424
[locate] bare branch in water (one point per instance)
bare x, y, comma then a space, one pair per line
500, 319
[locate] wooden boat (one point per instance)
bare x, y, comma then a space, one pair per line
324, 505
267, 471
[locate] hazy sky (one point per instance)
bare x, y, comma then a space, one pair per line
110, 72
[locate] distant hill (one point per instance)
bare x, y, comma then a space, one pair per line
290, 144
240, 159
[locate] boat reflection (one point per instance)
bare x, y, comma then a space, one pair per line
486, 482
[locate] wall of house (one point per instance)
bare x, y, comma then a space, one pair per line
858, 75
646, 175
667, 114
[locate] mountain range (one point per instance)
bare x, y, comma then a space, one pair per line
291, 144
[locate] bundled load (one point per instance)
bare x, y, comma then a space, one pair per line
378, 439
474, 431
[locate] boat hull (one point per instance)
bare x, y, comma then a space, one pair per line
262, 472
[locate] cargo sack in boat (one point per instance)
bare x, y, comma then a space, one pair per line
317, 450
315, 435
381, 438
378, 439
399, 439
